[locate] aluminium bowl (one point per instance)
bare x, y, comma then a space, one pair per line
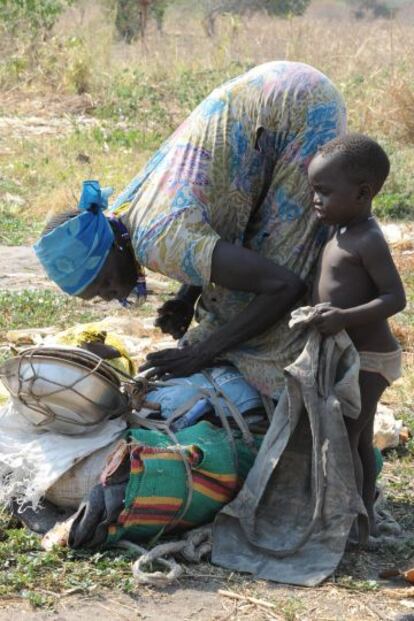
63, 389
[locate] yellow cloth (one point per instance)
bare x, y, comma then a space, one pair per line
91, 333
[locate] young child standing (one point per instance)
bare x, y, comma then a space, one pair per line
357, 275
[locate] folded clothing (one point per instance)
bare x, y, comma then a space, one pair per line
175, 393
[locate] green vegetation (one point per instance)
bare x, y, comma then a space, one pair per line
212, 9
34, 16
385, 9
159, 98
37, 309
15, 230
394, 206
40, 576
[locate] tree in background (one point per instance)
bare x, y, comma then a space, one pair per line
157, 12
376, 8
214, 8
132, 17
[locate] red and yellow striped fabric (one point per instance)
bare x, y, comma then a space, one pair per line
159, 487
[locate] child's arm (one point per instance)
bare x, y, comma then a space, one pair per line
377, 260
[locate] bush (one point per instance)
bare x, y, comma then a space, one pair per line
34, 16
394, 206
214, 8
385, 9
286, 7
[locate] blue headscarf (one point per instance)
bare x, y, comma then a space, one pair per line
73, 253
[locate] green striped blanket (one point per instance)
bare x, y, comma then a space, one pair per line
162, 496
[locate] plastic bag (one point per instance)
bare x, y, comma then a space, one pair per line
31, 462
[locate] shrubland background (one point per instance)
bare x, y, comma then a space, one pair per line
111, 103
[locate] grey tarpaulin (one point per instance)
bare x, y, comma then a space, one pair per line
291, 520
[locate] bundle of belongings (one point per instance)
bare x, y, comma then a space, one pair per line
152, 486
79, 432
116, 458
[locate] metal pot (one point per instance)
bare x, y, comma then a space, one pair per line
63, 389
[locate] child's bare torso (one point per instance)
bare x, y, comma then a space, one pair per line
342, 280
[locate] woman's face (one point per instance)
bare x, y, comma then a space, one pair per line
116, 279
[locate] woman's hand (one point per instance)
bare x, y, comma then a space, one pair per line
174, 317
329, 321
178, 362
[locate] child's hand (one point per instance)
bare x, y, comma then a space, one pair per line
329, 320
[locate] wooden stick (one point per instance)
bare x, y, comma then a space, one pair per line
247, 598
402, 593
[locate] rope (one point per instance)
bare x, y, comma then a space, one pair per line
194, 546
189, 483
214, 395
269, 407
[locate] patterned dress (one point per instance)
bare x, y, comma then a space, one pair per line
236, 170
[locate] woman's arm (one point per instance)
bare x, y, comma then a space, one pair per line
277, 289
188, 293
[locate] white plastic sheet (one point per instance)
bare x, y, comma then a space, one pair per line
32, 461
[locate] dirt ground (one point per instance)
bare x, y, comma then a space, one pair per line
199, 599
19, 269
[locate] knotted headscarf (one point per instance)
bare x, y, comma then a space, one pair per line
73, 253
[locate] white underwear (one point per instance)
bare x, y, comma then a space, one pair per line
387, 364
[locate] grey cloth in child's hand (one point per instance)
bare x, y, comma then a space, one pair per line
303, 316
291, 519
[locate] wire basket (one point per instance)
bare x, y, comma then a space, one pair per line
64, 389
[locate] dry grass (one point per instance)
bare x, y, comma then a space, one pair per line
402, 114
370, 61
152, 87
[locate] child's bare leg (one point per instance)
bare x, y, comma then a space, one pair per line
354, 431
360, 433
372, 385
367, 456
